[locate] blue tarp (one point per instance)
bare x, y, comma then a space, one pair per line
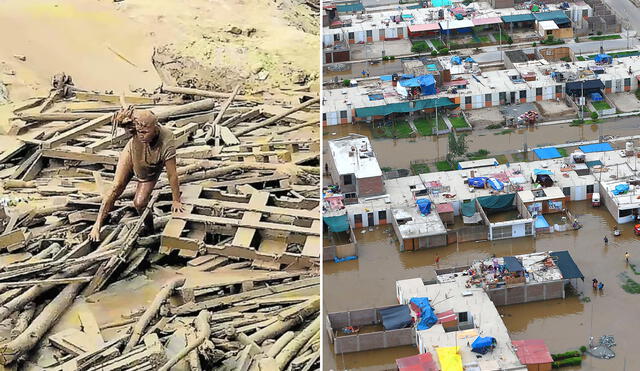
350, 8
424, 205
603, 58
542, 172
495, 184
338, 223
518, 18
597, 147
427, 317
620, 189
567, 266
541, 222
547, 153
440, 3
512, 264
346, 258
456, 60
469, 60
386, 77
477, 182
426, 83
396, 317
596, 97
482, 344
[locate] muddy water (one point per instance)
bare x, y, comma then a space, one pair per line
563, 324
398, 153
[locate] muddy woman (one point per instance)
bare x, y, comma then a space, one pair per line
150, 150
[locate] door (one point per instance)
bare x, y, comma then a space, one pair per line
370, 220
518, 230
512, 97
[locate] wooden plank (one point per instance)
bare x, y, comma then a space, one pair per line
77, 154
250, 224
25, 164
174, 227
111, 98
90, 326
247, 116
312, 247
253, 294
77, 131
297, 213
72, 341
105, 142
14, 238
227, 136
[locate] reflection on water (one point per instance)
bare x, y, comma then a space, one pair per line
563, 324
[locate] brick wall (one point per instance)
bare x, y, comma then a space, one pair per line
372, 186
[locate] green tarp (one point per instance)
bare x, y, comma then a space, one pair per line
403, 107
337, 224
494, 204
468, 208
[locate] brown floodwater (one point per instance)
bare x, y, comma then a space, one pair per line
563, 324
399, 152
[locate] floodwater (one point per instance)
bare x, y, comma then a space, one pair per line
563, 324
399, 152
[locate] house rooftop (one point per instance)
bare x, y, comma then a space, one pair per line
354, 155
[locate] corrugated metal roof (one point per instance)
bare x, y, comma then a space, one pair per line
424, 27
567, 266
518, 18
403, 107
532, 351
556, 15
484, 21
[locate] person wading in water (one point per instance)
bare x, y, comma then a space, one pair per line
151, 149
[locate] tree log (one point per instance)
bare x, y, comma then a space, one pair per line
281, 326
16, 348
23, 320
294, 346
203, 330
202, 93
275, 118
280, 343
152, 310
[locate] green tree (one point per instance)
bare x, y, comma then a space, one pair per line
594, 116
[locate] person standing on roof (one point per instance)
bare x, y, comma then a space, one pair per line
626, 257
151, 149
606, 240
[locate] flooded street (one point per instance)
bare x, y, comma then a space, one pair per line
563, 324
398, 153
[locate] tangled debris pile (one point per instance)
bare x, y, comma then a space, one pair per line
603, 348
231, 281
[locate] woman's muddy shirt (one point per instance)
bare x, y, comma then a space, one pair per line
148, 159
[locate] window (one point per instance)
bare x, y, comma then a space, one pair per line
351, 35
558, 89
607, 84
549, 32
590, 188
347, 180
336, 37
343, 114
382, 215
624, 213
502, 96
627, 82
324, 116
528, 229
487, 97
467, 100
538, 91
369, 33
350, 195
523, 94
566, 191
357, 218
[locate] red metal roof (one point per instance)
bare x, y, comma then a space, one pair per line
420, 362
456, 82
449, 315
532, 351
483, 21
444, 208
424, 27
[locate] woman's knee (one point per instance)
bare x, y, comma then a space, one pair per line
140, 202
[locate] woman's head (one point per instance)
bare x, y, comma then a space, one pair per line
146, 125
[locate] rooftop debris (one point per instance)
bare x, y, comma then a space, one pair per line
232, 280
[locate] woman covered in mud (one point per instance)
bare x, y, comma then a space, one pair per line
151, 149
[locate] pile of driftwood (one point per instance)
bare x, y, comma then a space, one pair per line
250, 185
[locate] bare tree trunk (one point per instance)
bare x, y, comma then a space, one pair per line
23, 320
16, 348
280, 343
204, 331
152, 310
279, 327
294, 346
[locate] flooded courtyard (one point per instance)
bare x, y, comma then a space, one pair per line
563, 324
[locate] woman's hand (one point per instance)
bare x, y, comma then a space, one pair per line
94, 235
177, 207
